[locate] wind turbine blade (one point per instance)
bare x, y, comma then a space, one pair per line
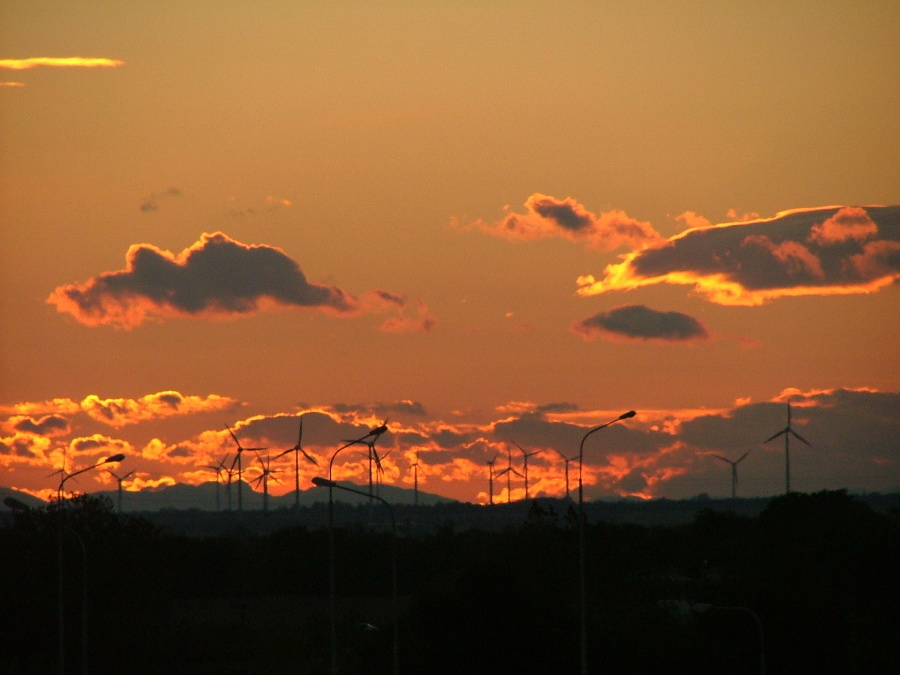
300, 434
377, 459
742, 457
772, 438
724, 459
233, 436
799, 437
309, 457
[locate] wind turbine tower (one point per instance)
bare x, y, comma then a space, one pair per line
787, 432
490, 464
734, 477
120, 479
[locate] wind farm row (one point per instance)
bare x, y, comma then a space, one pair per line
230, 470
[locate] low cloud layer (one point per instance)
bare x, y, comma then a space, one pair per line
640, 323
834, 250
216, 277
547, 217
658, 453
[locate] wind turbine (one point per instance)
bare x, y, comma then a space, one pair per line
509, 471
219, 468
415, 468
787, 432
490, 464
297, 449
240, 470
120, 479
567, 460
525, 456
266, 471
734, 463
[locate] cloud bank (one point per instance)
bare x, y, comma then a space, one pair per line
216, 277
823, 251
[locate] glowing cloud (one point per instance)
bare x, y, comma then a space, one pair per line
547, 217
216, 277
640, 323
59, 62
831, 250
12, 84
118, 412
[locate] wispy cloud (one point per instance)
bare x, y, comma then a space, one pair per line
216, 277
547, 217
831, 250
151, 203
59, 62
12, 84
640, 323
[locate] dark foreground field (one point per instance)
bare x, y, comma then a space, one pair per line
808, 582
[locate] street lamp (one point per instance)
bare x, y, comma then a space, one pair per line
61, 552
330, 484
581, 556
702, 607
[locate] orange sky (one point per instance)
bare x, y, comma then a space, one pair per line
490, 223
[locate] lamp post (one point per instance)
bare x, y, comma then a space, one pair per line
330, 484
61, 553
701, 607
581, 554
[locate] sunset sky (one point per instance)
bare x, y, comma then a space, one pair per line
490, 223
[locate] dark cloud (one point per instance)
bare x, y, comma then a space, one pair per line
637, 322
217, 276
805, 252
48, 425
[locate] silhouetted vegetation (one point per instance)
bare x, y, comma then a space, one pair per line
818, 571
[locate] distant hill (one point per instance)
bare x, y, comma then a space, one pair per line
202, 497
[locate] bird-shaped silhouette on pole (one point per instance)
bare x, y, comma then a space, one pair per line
297, 450
787, 432
509, 471
734, 476
369, 440
525, 456
240, 470
119, 479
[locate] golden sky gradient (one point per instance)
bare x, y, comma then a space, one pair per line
487, 222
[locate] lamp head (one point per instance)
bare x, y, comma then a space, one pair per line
323, 482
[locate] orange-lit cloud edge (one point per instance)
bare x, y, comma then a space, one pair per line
852, 432
60, 62
829, 250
